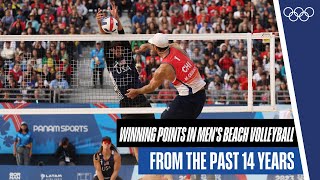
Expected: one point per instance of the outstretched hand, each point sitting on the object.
(114, 10)
(143, 48)
(132, 93)
(99, 16)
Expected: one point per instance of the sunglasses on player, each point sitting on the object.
(106, 141)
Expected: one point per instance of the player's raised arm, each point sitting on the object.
(114, 13)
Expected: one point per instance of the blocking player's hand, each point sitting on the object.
(114, 10)
(99, 16)
(132, 93)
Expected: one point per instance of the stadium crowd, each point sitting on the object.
(40, 66)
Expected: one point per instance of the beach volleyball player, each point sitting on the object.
(122, 68)
(107, 161)
(178, 68)
(121, 65)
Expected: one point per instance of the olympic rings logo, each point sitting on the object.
(298, 13)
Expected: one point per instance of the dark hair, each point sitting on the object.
(64, 141)
(113, 147)
(27, 130)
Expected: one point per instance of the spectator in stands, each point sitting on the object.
(22, 147)
(228, 84)
(235, 95)
(12, 84)
(82, 10)
(34, 22)
(283, 94)
(176, 18)
(64, 62)
(7, 55)
(59, 82)
(17, 28)
(179, 29)
(231, 72)
(196, 44)
(16, 73)
(263, 83)
(196, 56)
(19, 99)
(164, 24)
(225, 62)
(8, 19)
(152, 18)
(41, 82)
(211, 70)
(97, 63)
(188, 11)
(87, 29)
(37, 66)
(216, 80)
(142, 74)
(243, 77)
(166, 94)
(218, 92)
(175, 8)
(140, 59)
(151, 64)
(152, 28)
(139, 18)
(46, 75)
(257, 76)
(66, 153)
(48, 61)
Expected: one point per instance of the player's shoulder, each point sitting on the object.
(116, 155)
(96, 156)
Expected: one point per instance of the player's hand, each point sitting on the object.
(144, 48)
(99, 16)
(132, 93)
(114, 10)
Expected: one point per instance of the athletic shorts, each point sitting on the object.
(185, 107)
(139, 101)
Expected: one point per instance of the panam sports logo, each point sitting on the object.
(60, 128)
(51, 176)
(14, 176)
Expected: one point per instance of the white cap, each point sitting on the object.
(160, 40)
(23, 123)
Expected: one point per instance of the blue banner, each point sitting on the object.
(83, 131)
(219, 161)
(301, 36)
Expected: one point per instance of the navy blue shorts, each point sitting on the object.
(186, 107)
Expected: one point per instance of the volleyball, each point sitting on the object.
(109, 24)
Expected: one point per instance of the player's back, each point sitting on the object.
(188, 79)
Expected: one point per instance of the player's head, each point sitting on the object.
(159, 42)
(24, 127)
(117, 48)
(65, 142)
(106, 144)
